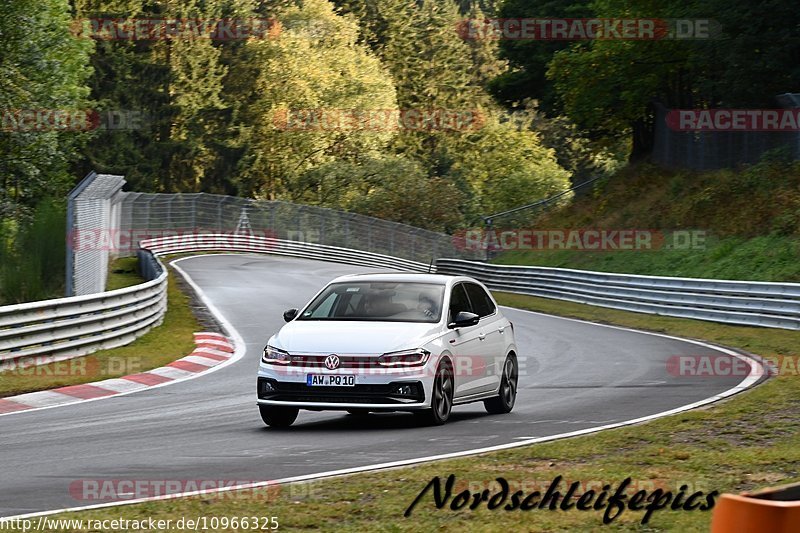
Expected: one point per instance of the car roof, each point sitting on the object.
(402, 277)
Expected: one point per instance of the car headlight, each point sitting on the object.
(275, 356)
(416, 357)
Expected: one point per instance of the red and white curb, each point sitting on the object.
(211, 350)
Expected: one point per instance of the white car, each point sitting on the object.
(390, 342)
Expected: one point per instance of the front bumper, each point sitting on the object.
(395, 395)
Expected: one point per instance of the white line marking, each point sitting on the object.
(748, 381)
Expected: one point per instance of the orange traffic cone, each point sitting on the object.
(773, 510)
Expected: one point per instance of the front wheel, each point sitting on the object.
(441, 398)
(277, 416)
(507, 395)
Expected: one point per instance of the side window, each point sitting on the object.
(481, 302)
(458, 301)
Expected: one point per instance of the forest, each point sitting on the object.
(381, 107)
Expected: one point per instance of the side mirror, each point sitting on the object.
(464, 319)
(290, 314)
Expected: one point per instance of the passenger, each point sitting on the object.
(427, 304)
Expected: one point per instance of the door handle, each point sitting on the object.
(481, 336)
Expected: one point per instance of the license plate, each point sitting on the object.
(330, 380)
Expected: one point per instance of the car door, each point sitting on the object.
(465, 345)
(491, 336)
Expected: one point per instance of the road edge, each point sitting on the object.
(753, 377)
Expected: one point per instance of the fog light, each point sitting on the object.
(268, 387)
(405, 390)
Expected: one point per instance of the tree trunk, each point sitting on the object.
(643, 138)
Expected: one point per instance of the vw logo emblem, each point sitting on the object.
(332, 362)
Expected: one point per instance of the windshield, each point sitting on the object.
(377, 302)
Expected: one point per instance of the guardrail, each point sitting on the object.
(259, 244)
(774, 305)
(54, 330)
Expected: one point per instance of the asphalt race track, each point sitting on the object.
(575, 376)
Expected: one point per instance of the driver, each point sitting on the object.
(427, 304)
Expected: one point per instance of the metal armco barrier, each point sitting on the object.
(54, 330)
(774, 305)
(258, 244)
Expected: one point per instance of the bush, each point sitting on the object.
(33, 255)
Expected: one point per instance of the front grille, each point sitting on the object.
(318, 361)
(270, 389)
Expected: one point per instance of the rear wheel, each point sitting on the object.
(277, 416)
(504, 401)
(441, 398)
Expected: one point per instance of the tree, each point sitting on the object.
(755, 57)
(182, 89)
(508, 166)
(528, 60)
(433, 68)
(196, 91)
(388, 187)
(305, 83)
(43, 68)
(437, 66)
(608, 86)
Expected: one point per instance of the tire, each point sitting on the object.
(277, 416)
(358, 412)
(441, 398)
(504, 401)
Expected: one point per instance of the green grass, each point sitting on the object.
(774, 258)
(122, 273)
(749, 441)
(170, 341)
(751, 219)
